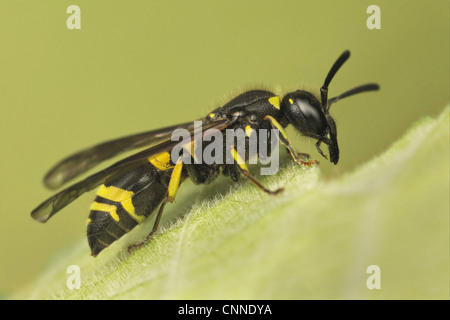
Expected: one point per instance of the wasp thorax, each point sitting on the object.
(305, 113)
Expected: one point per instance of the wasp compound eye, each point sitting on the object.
(305, 113)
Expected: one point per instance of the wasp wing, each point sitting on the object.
(80, 162)
(58, 201)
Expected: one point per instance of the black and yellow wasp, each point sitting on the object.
(132, 188)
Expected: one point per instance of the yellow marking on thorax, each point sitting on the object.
(211, 115)
(161, 161)
(248, 131)
(275, 101)
(112, 210)
(291, 101)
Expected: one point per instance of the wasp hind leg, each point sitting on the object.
(174, 183)
(242, 167)
(154, 229)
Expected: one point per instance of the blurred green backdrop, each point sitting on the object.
(137, 65)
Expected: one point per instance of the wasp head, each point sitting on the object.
(305, 112)
(311, 117)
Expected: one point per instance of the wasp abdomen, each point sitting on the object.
(124, 203)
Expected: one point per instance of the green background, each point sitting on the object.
(137, 65)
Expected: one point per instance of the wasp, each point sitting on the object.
(135, 187)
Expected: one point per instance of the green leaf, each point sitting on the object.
(315, 240)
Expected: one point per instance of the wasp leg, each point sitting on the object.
(285, 141)
(155, 228)
(240, 164)
(174, 183)
(320, 150)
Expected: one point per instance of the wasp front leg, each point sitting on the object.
(285, 141)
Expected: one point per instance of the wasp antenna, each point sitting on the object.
(336, 66)
(359, 89)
